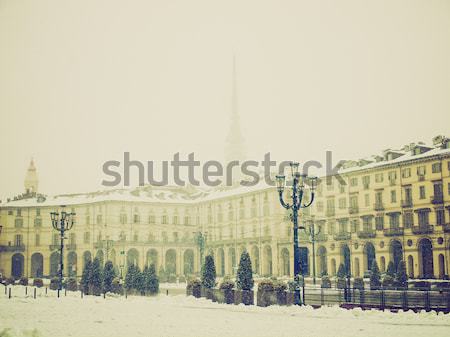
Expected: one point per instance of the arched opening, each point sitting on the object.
(382, 264)
(441, 260)
(369, 252)
(333, 267)
(17, 265)
(255, 259)
(100, 256)
(410, 266)
(286, 263)
(152, 258)
(322, 260)
(345, 255)
(396, 252)
(72, 264)
(37, 265)
(232, 267)
(356, 267)
(304, 261)
(133, 257)
(86, 257)
(171, 262)
(54, 264)
(267, 266)
(426, 258)
(188, 262)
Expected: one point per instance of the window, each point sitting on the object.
(379, 177)
(87, 237)
(394, 220)
(367, 223)
(422, 192)
(392, 175)
(406, 173)
(18, 240)
(19, 212)
(408, 194)
(440, 217)
(393, 196)
(342, 203)
(164, 219)
(421, 170)
(151, 219)
(175, 219)
(437, 188)
(423, 218)
(186, 220)
(330, 205)
(379, 222)
(366, 181)
(38, 222)
(366, 200)
(38, 212)
(37, 240)
(408, 219)
(354, 181)
(99, 219)
(123, 218)
(72, 238)
(436, 168)
(354, 201)
(379, 198)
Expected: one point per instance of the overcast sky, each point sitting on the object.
(83, 81)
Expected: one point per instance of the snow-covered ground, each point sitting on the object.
(186, 316)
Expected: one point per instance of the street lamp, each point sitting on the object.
(200, 240)
(298, 190)
(62, 223)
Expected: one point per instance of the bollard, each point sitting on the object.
(45, 290)
(34, 294)
(26, 291)
(104, 295)
(125, 293)
(9, 292)
(65, 292)
(6, 288)
(58, 293)
(81, 293)
(167, 292)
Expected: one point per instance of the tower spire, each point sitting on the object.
(31, 179)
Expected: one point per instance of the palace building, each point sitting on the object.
(391, 207)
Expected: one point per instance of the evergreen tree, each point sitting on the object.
(95, 280)
(375, 276)
(138, 282)
(390, 269)
(108, 276)
(209, 273)
(151, 280)
(401, 279)
(129, 277)
(244, 273)
(85, 277)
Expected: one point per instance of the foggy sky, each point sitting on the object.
(81, 82)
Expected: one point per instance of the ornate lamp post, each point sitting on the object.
(62, 223)
(200, 240)
(313, 233)
(298, 189)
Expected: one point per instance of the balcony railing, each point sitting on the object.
(378, 206)
(422, 229)
(437, 199)
(342, 236)
(353, 209)
(446, 228)
(18, 248)
(321, 237)
(393, 231)
(367, 234)
(407, 203)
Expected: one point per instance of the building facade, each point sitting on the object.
(386, 208)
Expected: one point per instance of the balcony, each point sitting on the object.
(395, 231)
(342, 236)
(422, 229)
(321, 237)
(353, 209)
(367, 234)
(18, 248)
(437, 199)
(378, 206)
(407, 203)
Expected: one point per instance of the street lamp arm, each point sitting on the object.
(285, 205)
(310, 202)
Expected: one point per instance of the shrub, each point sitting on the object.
(279, 286)
(71, 284)
(374, 276)
(8, 281)
(358, 283)
(23, 281)
(297, 282)
(95, 279)
(227, 285)
(388, 282)
(209, 273)
(54, 283)
(326, 283)
(84, 282)
(37, 282)
(401, 279)
(130, 277)
(116, 286)
(244, 279)
(341, 283)
(194, 287)
(265, 285)
(341, 271)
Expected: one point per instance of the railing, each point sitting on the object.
(367, 234)
(15, 248)
(393, 231)
(446, 228)
(422, 229)
(437, 199)
(342, 236)
(407, 203)
(378, 206)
